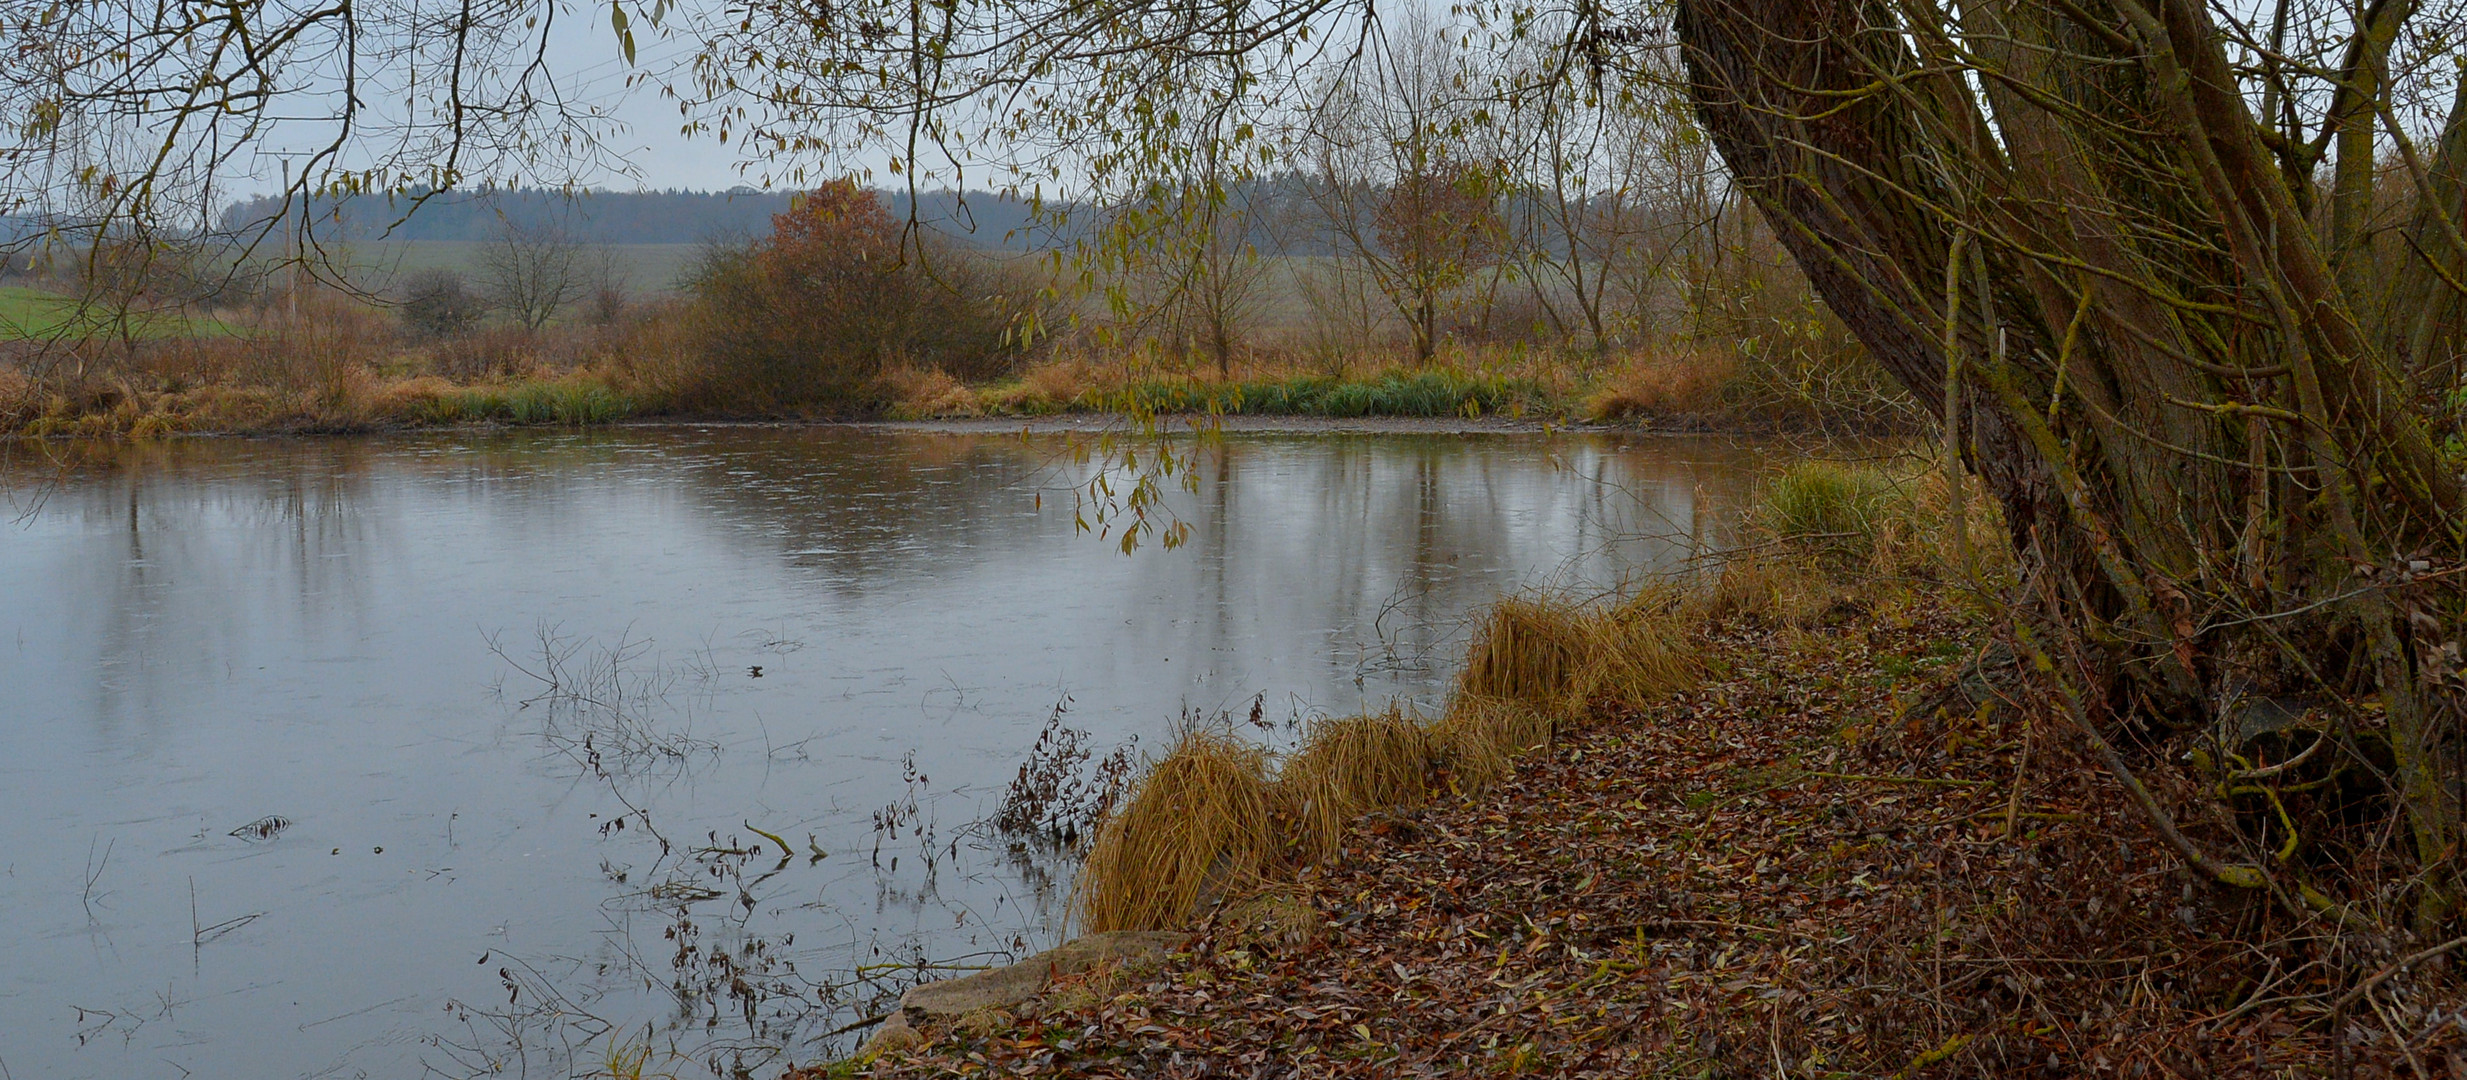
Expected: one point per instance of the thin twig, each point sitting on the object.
(2362, 988)
(844, 1029)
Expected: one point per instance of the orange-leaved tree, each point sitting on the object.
(811, 316)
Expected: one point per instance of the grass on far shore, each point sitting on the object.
(345, 366)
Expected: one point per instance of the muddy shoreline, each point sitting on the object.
(1057, 424)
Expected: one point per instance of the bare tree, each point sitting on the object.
(128, 125)
(1193, 274)
(533, 271)
(1391, 186)
(1218, 269)
(437, 304)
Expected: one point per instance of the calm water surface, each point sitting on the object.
(280, 794)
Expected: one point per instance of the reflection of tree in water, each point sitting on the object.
(1383, 545)
(195, 524)
(1379, 545)
(862, 507)
(1379, 513)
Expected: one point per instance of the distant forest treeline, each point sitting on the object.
(625, 217)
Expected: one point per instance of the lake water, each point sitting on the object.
(456, 755)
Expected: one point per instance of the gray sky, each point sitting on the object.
(584, 56)
(589, 67)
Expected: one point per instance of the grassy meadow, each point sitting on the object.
(646, 270)
(38, 314)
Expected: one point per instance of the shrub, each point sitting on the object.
(493, 353)
(1669, 385)
(840, 292)
(439, 304)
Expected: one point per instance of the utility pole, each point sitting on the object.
(291, 245)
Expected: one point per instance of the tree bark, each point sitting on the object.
(2202, 456)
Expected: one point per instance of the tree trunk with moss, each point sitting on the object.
(2183, 386)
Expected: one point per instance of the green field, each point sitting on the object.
(641, 269)
(31, 314)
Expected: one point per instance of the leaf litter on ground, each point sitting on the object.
(1819, 863)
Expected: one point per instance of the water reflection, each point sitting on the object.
(811, 628)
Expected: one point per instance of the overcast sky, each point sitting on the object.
(584, 56)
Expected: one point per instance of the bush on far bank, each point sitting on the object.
(839, 296)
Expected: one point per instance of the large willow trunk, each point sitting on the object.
(2231, 518)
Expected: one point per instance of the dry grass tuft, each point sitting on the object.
(1209, 820)
(1774, 590)
(1197, 824)
(407, 400)
(1529, 650)
(1480, 738)
(1558, 656)
(1050, 387)
(1663, 385)
(921, 394)
(1349, 767)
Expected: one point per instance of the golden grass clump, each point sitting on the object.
(1558, 656)
(1663, 385)
(1480, 738)
(407, 400)
(1210, 820)
(1772, 589)
(926, 393)
(1197, 824)
(1349, 767)
(1528, 650)
(1049, 387)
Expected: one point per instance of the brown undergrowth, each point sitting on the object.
(1848, 849)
